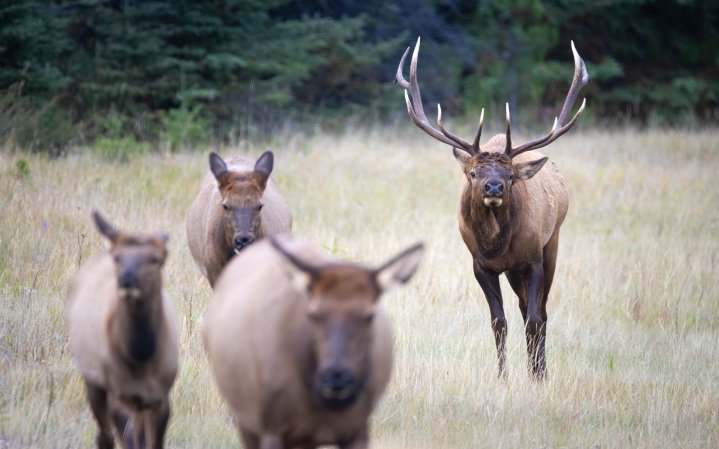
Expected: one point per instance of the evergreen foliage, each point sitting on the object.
(67, 65)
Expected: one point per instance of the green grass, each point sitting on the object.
(632, 347)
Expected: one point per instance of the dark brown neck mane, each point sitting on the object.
(135, 330)
(492, 227)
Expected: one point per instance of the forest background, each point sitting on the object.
(121, 75)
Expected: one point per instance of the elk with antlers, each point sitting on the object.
(510, 211)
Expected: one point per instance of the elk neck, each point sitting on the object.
(492, 227)
(135, 327)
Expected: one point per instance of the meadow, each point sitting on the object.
(633, 333)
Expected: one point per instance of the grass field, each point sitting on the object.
(633, 335)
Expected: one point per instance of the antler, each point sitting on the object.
(581, 78)
(416, 111)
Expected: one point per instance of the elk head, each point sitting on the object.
(491, 175)
(241, 199)
(341, 303)
(138, 263)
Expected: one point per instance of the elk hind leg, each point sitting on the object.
(548, 264)
(516, 281)
(535, 325)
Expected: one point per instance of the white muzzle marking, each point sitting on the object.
(492, 202)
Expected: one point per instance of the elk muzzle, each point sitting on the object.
(336, 383)
(242, 240)
(493, 192)
(129, 284)
(246, 221)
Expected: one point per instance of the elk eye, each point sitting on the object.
(226, 207)
(259, 207)
(473, 175)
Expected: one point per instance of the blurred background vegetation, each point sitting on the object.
(123, 74)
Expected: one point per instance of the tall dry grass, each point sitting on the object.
(633, 353)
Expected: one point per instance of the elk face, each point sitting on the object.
(491, 175)
(341, 303)
(340, 311)
(241, 199)
(138, 263)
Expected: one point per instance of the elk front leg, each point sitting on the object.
(156, 420)
(489, 282)
(536, 323)
(123, 425)
(98, 403)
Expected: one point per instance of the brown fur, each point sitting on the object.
(518, 238)
(124, 340)
(510, 209)
(299, 316)
(210, 229)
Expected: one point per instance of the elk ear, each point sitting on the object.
(264, 164)
(462, 156)
(400, 268)
(526, 170)
(217, 166)
(105, 227)
(300, 272)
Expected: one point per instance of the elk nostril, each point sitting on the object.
(243, 240)
(494, 187)
(337, 380)
(128, 280)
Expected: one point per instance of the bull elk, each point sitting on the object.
(238, 203)
(510, 211)
(300, 345)
(123, 337)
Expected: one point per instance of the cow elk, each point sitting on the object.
(238, 203)
(510, 211)
(123, 337)
(300, 345)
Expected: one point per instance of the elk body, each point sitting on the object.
(302, 351)
(123, 337)
(510, 212)
(238, 203)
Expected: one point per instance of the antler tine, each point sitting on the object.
(399, 78)
(414, 104)
(580, 79)
(475, 144)
(457, 141)
(414, 84)
(508, 139)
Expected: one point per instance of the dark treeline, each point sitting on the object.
(182, 70)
